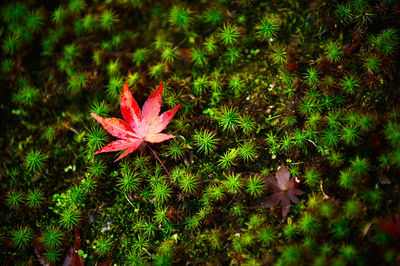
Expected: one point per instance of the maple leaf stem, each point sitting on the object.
(160, 162)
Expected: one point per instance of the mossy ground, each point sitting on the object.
(313, 85)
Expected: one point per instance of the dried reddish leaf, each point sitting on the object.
(72, 258)
(391, 226)
(139, 126)
(41, 257)
(107, 262)
(284, 191)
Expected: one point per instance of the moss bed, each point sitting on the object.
(266, 89)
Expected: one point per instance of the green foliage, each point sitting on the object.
(34, 198)
(290, 255)
(200, 85)
(346, 179)
(140, 56)
(114, 67)
(266, 236)
(180, 17)
(96, 138)
(372, 63)
(189, 183)
(345, 13)
(198, 58)
(311, 177)
(349, 84)
(108, 19)
(69, 218)
(52, 255)
(340, 229)
(14, 199)
(11, 44)
(255, 186)
(210, 46)
(386, 41)
(102, 246)
(247, 124)
(232, 55)
(333, 51)
(176, 149)
(161, 191)
(213, 16)
(311, 77)
(34, 21)
(205, 141)
(359, 166)
(267, 28)
(348, 252)
(392, 133)
(309, 224)
(97, 168)
(229, 34)
(227, 160)
(21, 236)
(76, 6)
(128, 182)
(100, 108)
(228, 118)
(290, 231)
(279, 55)
(51, 237)
(247, 151)
(169, 54)
(34, 160)
(233, 183)
(350, 135)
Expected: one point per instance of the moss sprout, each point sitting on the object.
(255, 186)
(52, 237)
(102, 246)
(229, 34)
(228, 118)
(14, 199)
(266, 236)
(189, 183)
(247, 151)
(346, 179)
(180, 17)
(69, 218)
(309, 224)
(205, 141)
(311, 177)
(34, 198)
(198, 58)
(228, 159)
(161, 191)
(267, 28)
(21, 236)
(129, 182)
(34, 160)
(140, 56)
(233, 183)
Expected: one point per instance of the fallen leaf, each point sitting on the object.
(72, 258)
(139, 126)
(284, 190)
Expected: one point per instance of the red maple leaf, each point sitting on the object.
(284, 191)
(140, 126)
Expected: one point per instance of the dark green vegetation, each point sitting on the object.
(313, 85)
